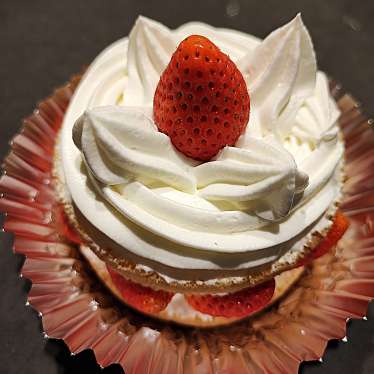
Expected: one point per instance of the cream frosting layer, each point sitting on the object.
(252, 200)
(256, 179)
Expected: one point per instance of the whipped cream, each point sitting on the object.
(257, 180)
(281, 75)
(253, 201)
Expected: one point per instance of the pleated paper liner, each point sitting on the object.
(75, 307)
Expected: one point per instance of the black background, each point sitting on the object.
(43, 42)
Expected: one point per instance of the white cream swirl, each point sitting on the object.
(317, 118)
(280, 75)
(121, 145)
(251, 199)
(150, 46)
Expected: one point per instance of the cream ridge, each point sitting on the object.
(246, 207)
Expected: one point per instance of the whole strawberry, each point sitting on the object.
(201, 101)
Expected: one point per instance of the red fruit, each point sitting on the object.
(63, 226)
(139, 297)
(201, 101)
(337, 230)
(238, 304)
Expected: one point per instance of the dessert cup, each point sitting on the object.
(188, 233)
(74, 305)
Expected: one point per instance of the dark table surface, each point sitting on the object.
(43, 42)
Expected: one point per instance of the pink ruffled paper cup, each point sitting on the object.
(75, 307)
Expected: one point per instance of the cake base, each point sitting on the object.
(179, 310)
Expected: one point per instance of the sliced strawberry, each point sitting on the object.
(63, 226)
(201, 101)
(144, 299)
(237, 304)
(337, 230)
